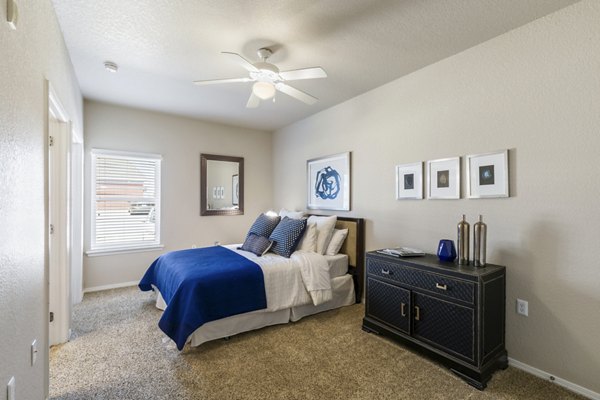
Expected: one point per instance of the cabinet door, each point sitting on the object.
(389, 304)
(445, 325)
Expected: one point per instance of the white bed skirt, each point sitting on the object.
(343, 295)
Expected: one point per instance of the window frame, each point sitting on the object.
(134, 247)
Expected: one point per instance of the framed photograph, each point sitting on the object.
(235, 189)
(443, 180)
(328, 180)
(487, 175)
(409, 181)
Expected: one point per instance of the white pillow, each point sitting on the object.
(337, 239)
(308, 242)
(325, 227)
(291, 214)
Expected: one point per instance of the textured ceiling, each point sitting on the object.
(161, 46)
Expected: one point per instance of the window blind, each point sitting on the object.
(125, 200)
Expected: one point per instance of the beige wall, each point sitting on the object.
(30, 54)
(536, 91)
(180, 141)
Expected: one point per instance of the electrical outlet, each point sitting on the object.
(10, 389)
(522, 307)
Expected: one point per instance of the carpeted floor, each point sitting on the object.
(118, 352)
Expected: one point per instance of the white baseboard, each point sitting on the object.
(107, 287)
(559, 381)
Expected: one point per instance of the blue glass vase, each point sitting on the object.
(446, 250)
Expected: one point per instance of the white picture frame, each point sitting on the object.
(409, 181)
(443, 179)
(487, 175)
(328, 182)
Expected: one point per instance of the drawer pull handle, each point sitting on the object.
(417, 313)
(441, 287)
(402, 310)
(385, 271)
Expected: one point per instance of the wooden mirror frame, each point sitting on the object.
(204, 158)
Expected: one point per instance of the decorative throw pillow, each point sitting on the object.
(325, 227)
(286, 235)
(337, 239)
(264, 225)
(256, 244)
(291, 214)
(308, 241)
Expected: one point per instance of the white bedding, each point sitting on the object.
(338, 265)
(301, 279)
(343, 295)
(296, 286)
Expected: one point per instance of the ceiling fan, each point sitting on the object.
(268, 79)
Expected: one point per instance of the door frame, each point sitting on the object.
(59, 206)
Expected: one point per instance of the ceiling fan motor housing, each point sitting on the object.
(266, 72)
(264, 53)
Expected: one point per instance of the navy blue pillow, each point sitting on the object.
(286, 236)
(255, 244)
(264, 225)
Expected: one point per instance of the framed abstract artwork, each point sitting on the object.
(443, 178)
(409, 181)
(487, 175)
(328, 180)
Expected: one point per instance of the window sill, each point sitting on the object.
(123, 250)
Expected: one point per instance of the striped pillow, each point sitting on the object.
(286, 236)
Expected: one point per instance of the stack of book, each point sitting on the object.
(402, 252)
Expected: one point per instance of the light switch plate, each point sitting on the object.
(12, 13)
(34, 352)
(10, 389)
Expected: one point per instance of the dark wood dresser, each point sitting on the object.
(453, 313)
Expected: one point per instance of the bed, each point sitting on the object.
(286, 288)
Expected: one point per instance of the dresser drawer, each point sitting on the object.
(394, 272)
(435, 283)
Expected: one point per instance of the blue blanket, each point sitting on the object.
(202, 285)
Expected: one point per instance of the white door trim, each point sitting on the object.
(59, 244)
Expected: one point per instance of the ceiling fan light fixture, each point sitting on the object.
(263, 90)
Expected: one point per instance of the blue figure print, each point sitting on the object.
(328, 184)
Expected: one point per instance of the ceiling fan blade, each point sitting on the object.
(253, 101)
(215, 81)
(241, 60)
(303, 73)
(295, 93)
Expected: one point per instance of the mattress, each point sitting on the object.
(338, 265)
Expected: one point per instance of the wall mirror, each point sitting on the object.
(221, 185)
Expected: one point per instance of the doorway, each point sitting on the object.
(65, 219)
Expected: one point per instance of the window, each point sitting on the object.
(125, 201)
